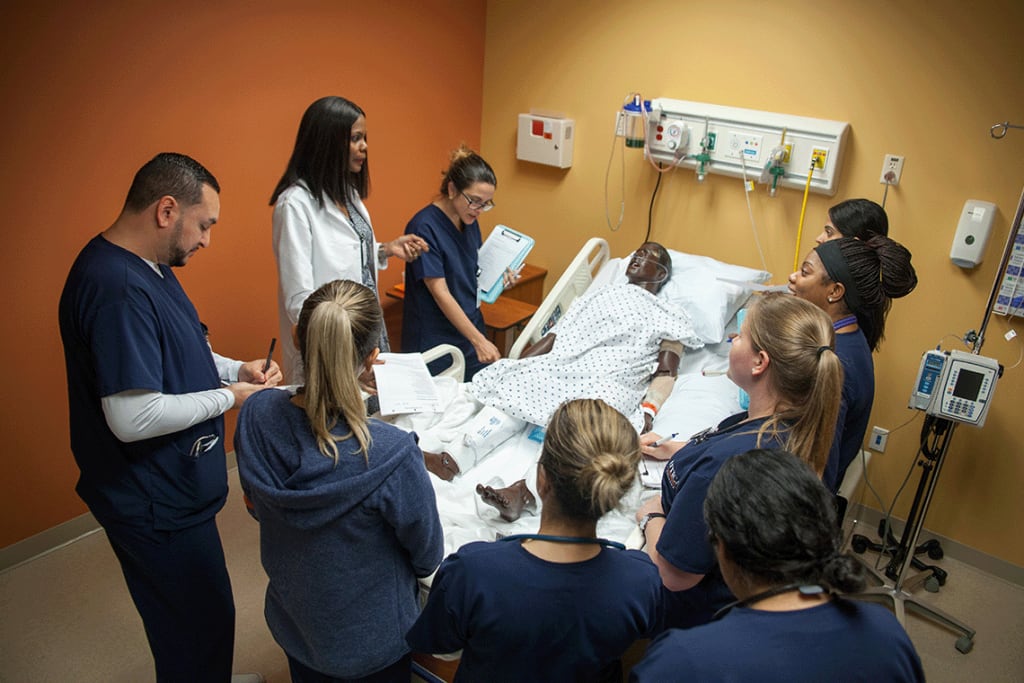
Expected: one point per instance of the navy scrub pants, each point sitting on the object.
(180, 585)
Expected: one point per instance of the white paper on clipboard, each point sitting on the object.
(504, 248)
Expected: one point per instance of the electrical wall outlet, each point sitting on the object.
(879, 435)
(893, 164)
(819, 156)
(787, 152)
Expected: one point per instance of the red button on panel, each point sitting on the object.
(537, 127)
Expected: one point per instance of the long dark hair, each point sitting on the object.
(776, 522)
(880, 271)
(860, 218)
(321, 155)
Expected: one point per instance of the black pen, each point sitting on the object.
(270, 354)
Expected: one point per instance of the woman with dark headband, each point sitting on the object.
(854, 281)
(773, 529)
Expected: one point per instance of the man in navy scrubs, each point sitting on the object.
(146, 396)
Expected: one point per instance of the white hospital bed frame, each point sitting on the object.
(573, 282)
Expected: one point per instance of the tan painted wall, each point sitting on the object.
(91, 91)
(921, 79)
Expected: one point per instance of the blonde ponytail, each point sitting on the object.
(338, 329)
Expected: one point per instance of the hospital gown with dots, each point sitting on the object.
(606, 347)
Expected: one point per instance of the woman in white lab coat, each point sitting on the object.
(321, 229)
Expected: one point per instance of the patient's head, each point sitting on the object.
(589, 460)
(650, 267)
(775, 523)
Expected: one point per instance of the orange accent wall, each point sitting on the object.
(921, 79)
(91, 91)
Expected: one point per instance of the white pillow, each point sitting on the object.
(696, 286)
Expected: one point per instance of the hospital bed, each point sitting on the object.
(706, 289)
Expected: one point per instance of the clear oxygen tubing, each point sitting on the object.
(622, 177)
(747, 189)
(803, 213)
(662, 270)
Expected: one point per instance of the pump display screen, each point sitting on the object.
(968, 384)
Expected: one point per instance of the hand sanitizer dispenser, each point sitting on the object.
(972, 233)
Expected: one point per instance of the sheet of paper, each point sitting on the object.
(404, 385)
(498, 253)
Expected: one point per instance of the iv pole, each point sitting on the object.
(899, 593)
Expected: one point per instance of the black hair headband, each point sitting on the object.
(835, 265)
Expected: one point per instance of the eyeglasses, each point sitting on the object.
(476, 204)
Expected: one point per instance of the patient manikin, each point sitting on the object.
(621, 344)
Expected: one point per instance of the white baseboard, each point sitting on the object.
(58, 536)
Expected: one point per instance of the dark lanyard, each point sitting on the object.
(564, 539)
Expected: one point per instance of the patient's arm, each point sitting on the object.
(662, 381)
(544, 345)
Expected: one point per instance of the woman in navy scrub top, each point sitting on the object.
(441, 304)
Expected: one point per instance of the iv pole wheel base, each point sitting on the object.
(965, 644)
(859, 543)
(931, 584)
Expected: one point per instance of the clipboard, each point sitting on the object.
(504, 248)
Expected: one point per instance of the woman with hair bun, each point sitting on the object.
(559, 605)
(441, 287)
(854, 281)
(773, 528)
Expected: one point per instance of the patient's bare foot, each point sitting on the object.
(441, 464)
(510, 501)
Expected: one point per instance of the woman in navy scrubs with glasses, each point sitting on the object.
(441, 304)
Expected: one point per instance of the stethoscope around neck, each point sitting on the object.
(803, 588)
(580, 540)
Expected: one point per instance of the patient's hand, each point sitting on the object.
(441, 464)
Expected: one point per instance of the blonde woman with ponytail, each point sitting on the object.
(784, 358)
(347, 515)
(559, 605)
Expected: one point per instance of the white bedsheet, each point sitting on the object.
(697, 402)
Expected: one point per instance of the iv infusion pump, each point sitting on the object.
(955, 385)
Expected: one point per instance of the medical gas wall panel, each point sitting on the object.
(737, 142)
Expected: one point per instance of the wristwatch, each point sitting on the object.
(646, 519)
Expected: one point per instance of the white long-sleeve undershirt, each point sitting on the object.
(137, 414)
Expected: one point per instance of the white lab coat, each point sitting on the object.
(313, 245)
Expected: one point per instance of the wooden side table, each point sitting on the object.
(507, 316)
